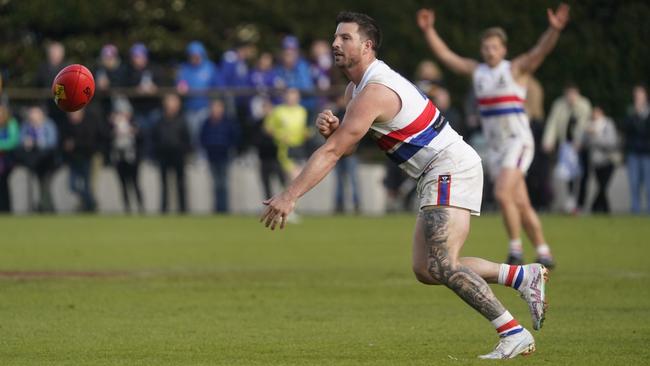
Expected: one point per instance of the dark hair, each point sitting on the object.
(367, 26)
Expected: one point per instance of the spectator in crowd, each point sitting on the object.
(287, 123)
(80, 135)
(264, 78)
(321, 69)
(428, 77)
(219, 137)
(111, 72)
(38, 152)
(9, 140)
(171, 145)
(145, 79)
(234, 65)
(264, 75)
(346, 169)
(237, 74)
(400, 189)
(126, 151)
(601, 141)
(55, 62)
(321, 64)
(569, 116)
(442, 100)
(267, 150)
(293, 71)
(198, 75)
(537, 181)
(636, 131)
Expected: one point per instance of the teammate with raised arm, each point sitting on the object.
(414, 134)
(500, 88)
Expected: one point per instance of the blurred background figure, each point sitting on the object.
(171, 142)
(126, 152)
(264, 76)
(293, 71)
(636, 132)
(569, 116)
(38, 152)
(47, 71)
(287, 123)
(198, 75)
(321, 70)
(9, 140)
(267, 150)
(428, 77)
(400, 189)
(237, 75)
(537, 179)
(80, 136)
(144, 79)
(110, 72)
(442, 100)
(219, 138)
(600, 139)
(346, 170)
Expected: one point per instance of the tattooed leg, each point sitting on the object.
(489, 271)
(445, 231)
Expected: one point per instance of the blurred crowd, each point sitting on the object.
(262, 103)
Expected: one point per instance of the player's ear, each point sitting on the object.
(367, 45)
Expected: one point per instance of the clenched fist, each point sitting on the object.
(327, 123)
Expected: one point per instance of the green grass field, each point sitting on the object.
(330, 291)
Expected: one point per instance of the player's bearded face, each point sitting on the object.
(347, 45)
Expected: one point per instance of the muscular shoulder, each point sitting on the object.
(382, 98)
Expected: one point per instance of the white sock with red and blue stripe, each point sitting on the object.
(506, 325)
(511, 276)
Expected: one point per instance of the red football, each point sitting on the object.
(73, 88)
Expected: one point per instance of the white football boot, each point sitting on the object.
(532, 291)
(511, 346)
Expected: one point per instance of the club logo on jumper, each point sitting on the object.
(502, 82)
(59, 93)
(444, 189)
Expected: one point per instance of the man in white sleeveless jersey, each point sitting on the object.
(500, 89)
(413, 134)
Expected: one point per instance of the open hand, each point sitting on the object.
(277, 210)
(425, 18)
(560, 18)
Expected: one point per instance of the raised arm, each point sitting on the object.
(531, 60)
(458, 64)
(362, 111)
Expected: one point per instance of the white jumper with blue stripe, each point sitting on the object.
(418, 133)
(501, 104)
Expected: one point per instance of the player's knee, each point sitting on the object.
(501, 195)
(423, 276)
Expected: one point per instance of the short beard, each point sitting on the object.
(352, 62)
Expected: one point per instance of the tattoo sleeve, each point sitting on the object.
(460, 279)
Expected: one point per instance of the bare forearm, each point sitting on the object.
(442, 51)
(544, 46)
(317, 168)
(548, 40)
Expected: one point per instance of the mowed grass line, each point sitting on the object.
(330, 291)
